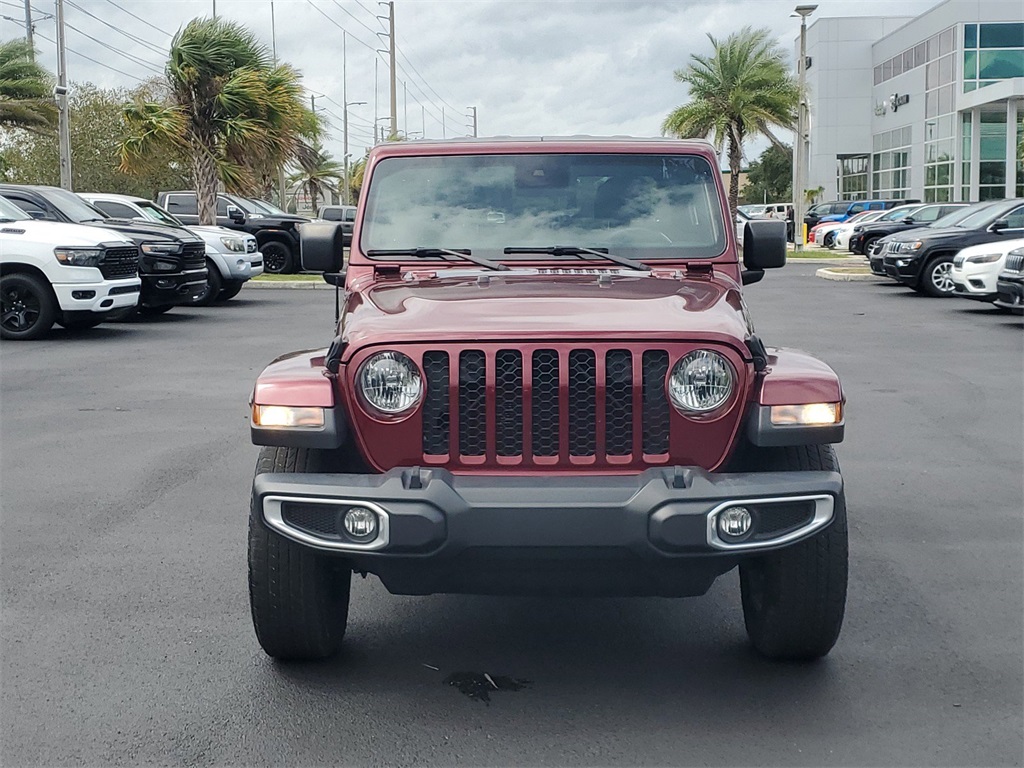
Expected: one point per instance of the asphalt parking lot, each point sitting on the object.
(126, 637)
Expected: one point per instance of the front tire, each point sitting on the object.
(28, 308)
(299, 597)
(277, 258)
(80, 321)
(937, 277)
(147, 311)
(229, 291)
(794, 599)
(211, 290)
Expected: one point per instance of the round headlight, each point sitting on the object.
(701, 381)
(391, 382)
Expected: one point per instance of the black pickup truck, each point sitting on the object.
(276, 234)
(172, 260)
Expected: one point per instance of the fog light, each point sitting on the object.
(734, 522)
(360, 523)
(83, 294)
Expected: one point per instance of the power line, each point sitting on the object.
(358, 40)
(357, 21)
(133, 38)
(128, 56)
(94, 61)
(139, 18)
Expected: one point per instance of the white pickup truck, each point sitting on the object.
(69, 274)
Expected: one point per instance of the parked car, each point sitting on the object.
(876, 250)
(276, 234)
(1010, 285)
(741, 223)
(976, 269)
(921, 216)
(53, 272)
(923, 258)
(346, 214)
(752, 211)
(823, 233)
(841, 231)
(172, 262)
(505, 412)
(231, 256)
(840, 210)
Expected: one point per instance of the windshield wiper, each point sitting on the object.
(86, 221)
(424, 253)
(578, 250)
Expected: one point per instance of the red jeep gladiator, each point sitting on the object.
(545, 382)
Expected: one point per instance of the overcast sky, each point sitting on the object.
(531, 67)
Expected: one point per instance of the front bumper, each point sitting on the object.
(162, 289)
(902, 267)
(654, 533)
(977, 285)
(104, 296)
(1010, 294)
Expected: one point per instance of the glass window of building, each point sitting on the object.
(890, 164)
(852, 178)
(992, 52)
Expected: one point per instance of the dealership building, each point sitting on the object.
(928, 107)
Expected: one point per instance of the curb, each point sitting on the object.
(845, 277)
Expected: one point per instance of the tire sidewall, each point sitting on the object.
(212, 289)
(47, 306)
(928, 276)
(277, 258)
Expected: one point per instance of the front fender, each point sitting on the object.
(299, 380)
(793, 377)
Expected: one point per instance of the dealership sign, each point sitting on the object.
(894, 102)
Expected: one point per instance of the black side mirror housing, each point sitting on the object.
(999, 225)
(236, 215)
(321, 245)
(764, 244)
(908, 220)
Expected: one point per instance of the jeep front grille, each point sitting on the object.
(119, 262)
(1014, 262)
(591, 405)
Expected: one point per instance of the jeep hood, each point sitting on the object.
(509, 306)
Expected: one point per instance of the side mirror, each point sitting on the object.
(764, 247)
(235, 214)
(321, 244)
(40, 215)
(999, 224)
(908, 220)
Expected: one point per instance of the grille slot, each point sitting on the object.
(119, 262)
(472, 403)
(1015, 262)
(618, 402)
(508, 395)
(777, 519)
(656, 414)
(545, 426)
(582, 403)
(318, 519)
(436, 420)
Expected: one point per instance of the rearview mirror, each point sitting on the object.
(235, 214)
(321, 245)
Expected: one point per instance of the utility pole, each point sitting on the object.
(344, 110)
(444, 134)
(282, 186)
(215, 9)
(61, 93)
(29, 30)
(405, 107)
(473, 115)
(394, 80)
(800, 148)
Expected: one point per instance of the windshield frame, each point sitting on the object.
(266, 208)
(692, 175)
(163, 216)
(984, 214)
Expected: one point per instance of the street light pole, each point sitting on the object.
(29, 30)
(800, 146)
(61, 92)
(344, 120)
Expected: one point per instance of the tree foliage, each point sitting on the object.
(230, 112)
(26, 98)
(97, 129)
(744, 88)
(770, 177)
(318, 175)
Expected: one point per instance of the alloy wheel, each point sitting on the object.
(942, 277)
(20, 309)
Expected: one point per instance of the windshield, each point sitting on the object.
(10, 212)
(953, 218)
(72, 206)
(977, 215)
(644, 206)
(264, 207)
(156, 213)
(901, 212)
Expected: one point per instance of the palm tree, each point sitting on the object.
(231, 112)
(743, 89)
(318, 175)
(26, 99)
